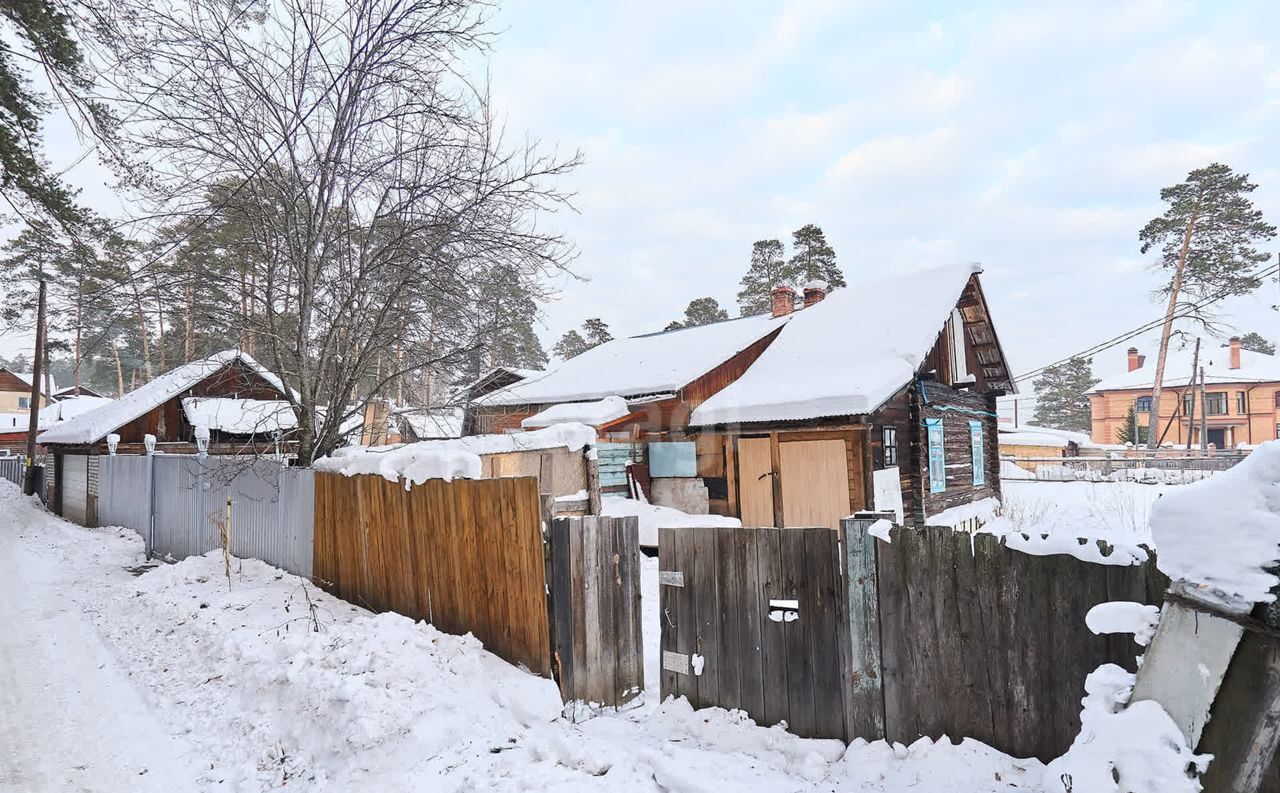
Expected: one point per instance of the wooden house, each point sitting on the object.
(230, 393)
(881, 394)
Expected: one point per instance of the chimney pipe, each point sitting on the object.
(784, 300)
(1135, 360)
(814, 291)
(1234, 343)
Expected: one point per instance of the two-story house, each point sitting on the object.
(1241, 398)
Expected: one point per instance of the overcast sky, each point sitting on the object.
(1030, 138)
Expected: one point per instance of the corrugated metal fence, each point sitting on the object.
(179, 504)
(11, 468)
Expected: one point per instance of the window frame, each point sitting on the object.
(24, 403)
(889, 445)
(1142, 404)
(1213, 399)
(1242, 403)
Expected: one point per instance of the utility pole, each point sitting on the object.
(1191, 414)
(1204, 418)
(33, 425)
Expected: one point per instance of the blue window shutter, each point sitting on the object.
(979, 457)
(673, 458)
(937, 456)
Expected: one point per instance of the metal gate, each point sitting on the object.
(75, 488)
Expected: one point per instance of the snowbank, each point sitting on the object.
(653, 517)
(983, 509)
(611, 408)
(1134, 749)
(1221, 534)
(450, 459)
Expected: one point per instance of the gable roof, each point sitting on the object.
(93, 426)
(27, 377)
(639, 365)
(845, 355)
(1255, 367)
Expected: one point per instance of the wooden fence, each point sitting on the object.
(959, 635)
(465, 555)
(595, 609)
(755, 619)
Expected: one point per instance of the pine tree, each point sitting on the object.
(812, 259)
(597, 332)
(1062, 393)
(700, 311)
(768, 269)
(1125, 432)
(1256, 342)
(1206, 239)
(571, 344)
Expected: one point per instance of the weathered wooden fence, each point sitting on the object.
(595, 608)
(755, 619)
(465, 555)
(957, 634)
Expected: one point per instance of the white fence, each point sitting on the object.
(183, 505)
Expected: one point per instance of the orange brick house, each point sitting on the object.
(1241, 399)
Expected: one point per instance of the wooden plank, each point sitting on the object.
(895, 659)
(562, 606)
(669, 601)
(707, 604)
(601, 648)
(583, 585)
(755, 607)
(1023, 614)
(1244, 743)
(975, 703)
(863, 676)
(730, 561)
(629, 642)
(773, 637)
(823, 634)
(798, 572)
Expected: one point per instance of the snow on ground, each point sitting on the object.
(653, 517)
(1114, 511)
(183, 678)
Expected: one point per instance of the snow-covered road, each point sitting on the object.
(71, 719)
(189, 679)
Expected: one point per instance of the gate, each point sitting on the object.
(754, 618)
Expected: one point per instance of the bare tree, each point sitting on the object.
(368, 182)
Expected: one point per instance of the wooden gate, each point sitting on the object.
(815, 482)
(755, 481)
(466, 555)
(755, 619)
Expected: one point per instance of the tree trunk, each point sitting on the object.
(115, 351)
(1153, 421)
(189, 338)
(1191, 414)
(79, 316)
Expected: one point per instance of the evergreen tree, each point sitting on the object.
(700, 311)
(1207, 240)
(1256, 342)
(1126, 432)
(597, 332)
(768, 269)
(812, 259)
(571, 344)
(1062, 395)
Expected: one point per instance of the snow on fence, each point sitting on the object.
(958, 634)
(595, 608)
(182, 505)
(12, 468)
(1145, 469)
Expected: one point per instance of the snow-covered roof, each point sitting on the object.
(68, 408)
(1255, 367)
(845, 355)
(27, 377)
(240, 416)
(1028, 435)
(639, 365)
(428, 423)
(93, 426)
(602, 411)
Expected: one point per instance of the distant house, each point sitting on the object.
(15, 393)
(492, 419)
(72, 391)
(1033, 446)
(235, 397)
(881, 393)
(1241, 402)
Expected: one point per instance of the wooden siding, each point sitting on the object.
(955, 408)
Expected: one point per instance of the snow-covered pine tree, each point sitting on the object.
(1063, 395)
(1256, 342)
(571, 344)
(768, 269)
(812, 259)
(597, 332)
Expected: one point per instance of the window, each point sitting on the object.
(937, 457)
(24, 403)
(1142, 405)
(957, 349)
(1189, 403)
(889, 439)
(1242, 404)
(1215, 403)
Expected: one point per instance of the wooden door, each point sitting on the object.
(755, 481)
(815, 483)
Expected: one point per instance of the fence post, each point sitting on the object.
(864, 679)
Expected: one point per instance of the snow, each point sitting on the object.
(1124, 616)
(92, 426)
(1255, 367)
(187, 678)
(459, 458)
(1028, 435)
(1133, 749)
(68, 408)
(881, 529)
(27, 377)
(845, 355)
(1219, 535)
(640, 365)
(886, 485)
(433, 423)
(602, 411)
(240, 416)
(983, 510)
(653, 517)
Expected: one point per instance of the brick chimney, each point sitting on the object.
(814, 291)
(1234, 344)
(1135, 360)
(784, 300)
